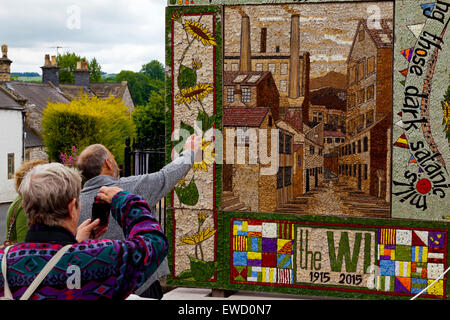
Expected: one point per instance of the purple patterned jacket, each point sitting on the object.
(108, 269)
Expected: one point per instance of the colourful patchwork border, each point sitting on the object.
(392, 258)
(403, 286)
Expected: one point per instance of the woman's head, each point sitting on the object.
(47, 190)
(24, 169)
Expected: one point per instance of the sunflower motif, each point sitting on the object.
(208, 157)
(201, 218)
(195, 93)
(200, 32)
(176, 16)
(196, 64)
(196, 238)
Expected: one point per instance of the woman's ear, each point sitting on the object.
(72, 207)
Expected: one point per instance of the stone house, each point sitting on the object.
(35, 96)
(251, 105)
(308, 156)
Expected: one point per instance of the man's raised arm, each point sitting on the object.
(156, 185)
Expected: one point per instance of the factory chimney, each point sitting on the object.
(294, 65)
(305, 106)
(246, 51)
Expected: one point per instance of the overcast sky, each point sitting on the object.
(121, 34)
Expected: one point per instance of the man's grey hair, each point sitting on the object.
(47, 191)
(91, 160)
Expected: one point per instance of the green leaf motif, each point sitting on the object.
(187, 77)
(186, 275)
(202, 270)
(206, 121)
(178, 144)
(188, 195)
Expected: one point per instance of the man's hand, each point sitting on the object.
(193, 143)
(90, 230)
(107, 193)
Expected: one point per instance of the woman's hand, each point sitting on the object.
(90, 230)
(107, 193)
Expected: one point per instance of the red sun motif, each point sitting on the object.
(423, 186)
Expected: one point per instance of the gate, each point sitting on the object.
(146, 155)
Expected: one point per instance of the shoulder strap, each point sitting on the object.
(7, 293)
(44, 272)
(12, 220)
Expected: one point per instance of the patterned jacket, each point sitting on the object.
(108, 269)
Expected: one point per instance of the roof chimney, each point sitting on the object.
(50, 71)
(246, 51)
(294, 65)
(5, 65)
(263, 41)
(82, 74)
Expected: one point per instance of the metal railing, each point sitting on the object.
(143, 156)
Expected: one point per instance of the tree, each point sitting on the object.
(84, 121)
(150, 126)
(154, 70)
(149, 118)
(96, 71)
(68, 63)
(138, 83)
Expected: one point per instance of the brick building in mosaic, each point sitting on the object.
(364, 160)
(251, 102)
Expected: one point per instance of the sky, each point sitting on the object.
(120, 34)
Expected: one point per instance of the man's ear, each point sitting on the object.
(108, 164)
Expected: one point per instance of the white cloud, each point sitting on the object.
(313, 19)
(121, 34)
(335, 39)
(328, 57)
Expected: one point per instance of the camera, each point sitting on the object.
(100, 210)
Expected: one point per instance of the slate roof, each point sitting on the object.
(333, 134)
(294, 118)
(31, 138)
(244, 116)
(36, 93)
(104, 90)
(7, 102)
(101, 90)
(244, 78)
(71, 91)
(384, 37)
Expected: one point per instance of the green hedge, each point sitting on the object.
(86, 120)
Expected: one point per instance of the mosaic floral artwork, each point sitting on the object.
(262, 252)
(193, 78)
(381, 260)
(325, 146)
(410, 260)
(421, 146)
(330, 97)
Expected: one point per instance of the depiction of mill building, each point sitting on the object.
(364, 158)
(267, 88)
